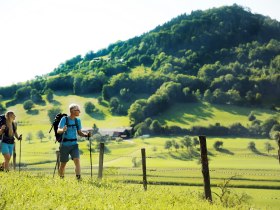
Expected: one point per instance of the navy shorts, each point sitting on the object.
(65, 151)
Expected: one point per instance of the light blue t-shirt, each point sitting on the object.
(72, 129)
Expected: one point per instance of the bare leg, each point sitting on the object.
(61, 169)
(77, 166)
(7, 158)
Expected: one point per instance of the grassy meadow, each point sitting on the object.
(257, 175)
(41, 192)
(177, 171)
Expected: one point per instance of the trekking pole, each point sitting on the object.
(56, 164)
(19, 154)
(278, 146)
(90, 156)
(58, 156)
(14, 157)
(51, 128)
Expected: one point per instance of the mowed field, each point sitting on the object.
(256, 174)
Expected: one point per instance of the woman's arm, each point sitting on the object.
(19, 137)
(2, 129)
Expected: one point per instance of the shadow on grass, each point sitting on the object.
(64, 93)
(33, 112)
(195, 112)
(42, 103)
(40, 162)
(185, 155)
(99, 115)
(55, 103)
(232, 109)
(226, 151)
(257, 152)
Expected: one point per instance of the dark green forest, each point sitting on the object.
(223, 55)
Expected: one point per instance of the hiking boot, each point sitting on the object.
(78, 177)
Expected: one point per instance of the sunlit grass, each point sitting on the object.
(30, 191)
(203, 114)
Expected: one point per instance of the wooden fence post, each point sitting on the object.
(205, 168)
(278, 147)
(101, 158)
(143, 153)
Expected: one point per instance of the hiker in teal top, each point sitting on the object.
(70, 126)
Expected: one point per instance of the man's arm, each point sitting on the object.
(62, 130)
(83, 134)
(62, 126)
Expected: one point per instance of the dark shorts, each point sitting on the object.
(65, 151)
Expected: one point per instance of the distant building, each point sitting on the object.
(124, 133)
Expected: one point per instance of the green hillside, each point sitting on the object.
(227, 57)
(37, 118)
(214, 72)
(181, 114)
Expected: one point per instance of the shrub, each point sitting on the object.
(251, 116)
(53, 112)
(217, 145)
(252, 146)
(28, 105)
(2, 108)
(89, 107)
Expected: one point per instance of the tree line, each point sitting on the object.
(224, 55)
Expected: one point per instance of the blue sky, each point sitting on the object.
(37, 35)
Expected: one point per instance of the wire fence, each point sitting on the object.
(130, 169)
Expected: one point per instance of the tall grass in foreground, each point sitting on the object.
(37, 191)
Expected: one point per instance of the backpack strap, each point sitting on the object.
(76, 123)
(77, 126)
(66, 121)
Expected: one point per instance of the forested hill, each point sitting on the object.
(225, 34)
(224, 55)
